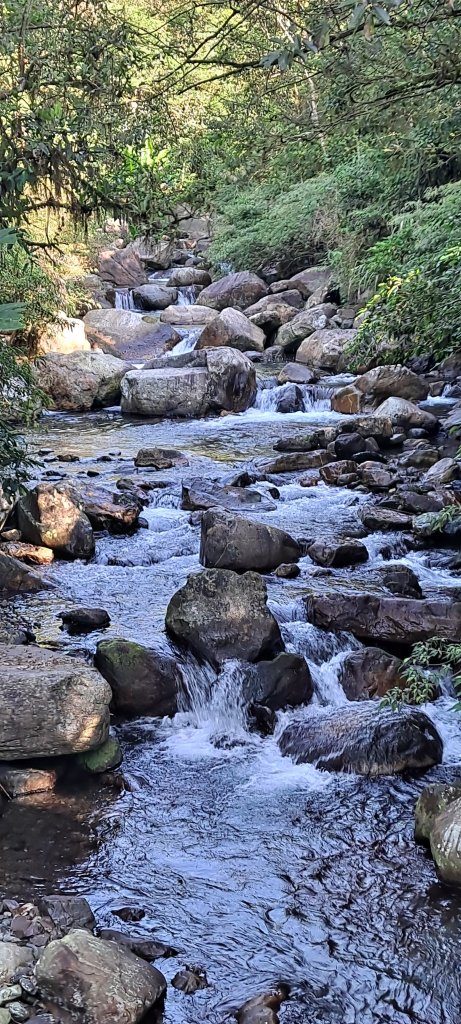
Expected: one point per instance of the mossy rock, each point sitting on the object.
(432, 802)
(103, 759)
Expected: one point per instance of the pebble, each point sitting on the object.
(19, 1012)
(5, 1016)
(8, 993)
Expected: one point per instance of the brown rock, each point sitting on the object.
(238, 290)
(347, 401)
(28, 553)
(121, 267)
(337, 554)
(232, 329)
(15, 578)
(386, 619)
(370, 673)
(143, 680)
(51, 516)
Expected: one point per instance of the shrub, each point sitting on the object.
(23, 279)
(429, 664)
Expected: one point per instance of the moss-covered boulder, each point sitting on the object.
(144, 680)
(103, 759)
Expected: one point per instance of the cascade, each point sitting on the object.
(315, 397)
(124, 299)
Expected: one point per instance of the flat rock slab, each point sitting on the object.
(386, 619)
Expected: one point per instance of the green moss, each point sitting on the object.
(103, 759)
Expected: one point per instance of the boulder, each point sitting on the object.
(18, 780)
(386, 619)
(263, 1009)
(240, 290)
(115, 511)
(105, 758)
(184, 277)
(364, 739)
(284, 682)
(404, 414)
(440, 473)
(200, 495)
(375, 476)
(96, 981)
(143, 680)
(232, 542)
(81, 381)
(28, 553)
(392, 382)
(160, 458)
(348, 401)
(219, 615)
(445, 841)
(232, 329)
(188, 316)
(154, 296)
(12, 958)
(337, 554)
(291, 298)
(85, 620)
(338, 472)
(52, 516)
(128, 335)
(68, 335)
(378, 518)
(312, 280)
(347, 446)
(433, 801)
(200, 384)
(325, 350)
(121, 268)
(370, 673)
(292, 333)
(66, 912)
(401, 580)
(52, 704)
(16, 578)
(294, 462)
(294, 373)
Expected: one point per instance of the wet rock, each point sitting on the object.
(23, 780)
(337, 554)
(16, 578)
(232, 329)
(239, 290)
(19, 1013)
(445, 842)
(121, 267)
(334, 472)
(105, 758)
(272, 315)
(404, 414)
(401, 580)
(348, 401)
(292, 297)
(412, 502)
(37, 688)
(370, 673)
(224, 380)
(9, 993)
(263, 1009)
(147, 949)
(127, 335)
(294, 373)
(81, 381)
(364, 739)
(299, 327)
(288, 571)
(311, 280)
(114, 511)
(153, 296)
(84, 620)
(221, 615)
(160, 458)
(97, 980)
(199, 495)
(325, 350)
(52, 516)
(185, 277)
(442, 472)
(188, 316)
(386, 619)
(288, 398)
(232, 542)
(12, 957)
(278, 684)
(191, 980)
(375, 517)
(294, 462)
(28, 553)
(375, 476)
(144, 681)
(420, 458)
(347, 446)
(392, 382)
(432, 802)
(67, 912)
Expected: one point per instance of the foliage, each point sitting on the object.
(23, 279)
(429, 664)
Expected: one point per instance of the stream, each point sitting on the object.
(253, 868)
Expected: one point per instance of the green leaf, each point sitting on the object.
(357, 16)
(382, 15)
(11, 316)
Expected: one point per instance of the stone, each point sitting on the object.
(325, 350)
(333, 472)
(189, 981)
(188, 316)
(12, 957)
(445, 842)
(385, 619)
(291, 298)
(347, 446)
(263, 1009)
(51, 516)
(288, 571)
(16, 578)
(184, 277)
(375, 476)
(101, 981)
(67, 912)
(405, 414)
(401, 580)
(364, 739)
(421, 457)
(147, 949)
(378, 518)
(52, 704)
(28, 553)
(105, 758)
(433, 801)
(208, 381)
(85, 620)
(311, 280)
(392, 382)
(24, 781)
(154, 296)
(278, 684)
(370, 673)
(128, 335)
(348, 401)
(80, 381)
(291, 334)
(19, 1013)
(232, 329)
(239, 290)
(68, 335)
(294, 462)
(337, 554)
(143, 680)
(160, 458)
(114, 511)
(121, 267)
(220, 615)
(441, 472)
(229, 541)
(294, 373)
(198, 496)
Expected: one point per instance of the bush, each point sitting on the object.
(428, 666)
(23, 279)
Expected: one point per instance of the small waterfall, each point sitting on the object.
(124, 299)
(186, 296)
(293, 398)
(215, 703)
(324, 653)
(188, 342)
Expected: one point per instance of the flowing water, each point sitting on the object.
(253, 868)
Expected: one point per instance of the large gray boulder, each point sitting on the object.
(405, 414)
(143, 680)
(220, 615)
(433, 801)
(229, 541)
(197, 385)
(364, 739)
(51, 704)
(325, 350)
(290, 336)
(232, 329)
(121, 267)
(52, 516)
(81, 381)
(128, 335)
(239, 290)
(311, 281)
(386, 619)
(392, 382)
(98, 982)
(184, 277)
(154, 296)
(188, 316)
